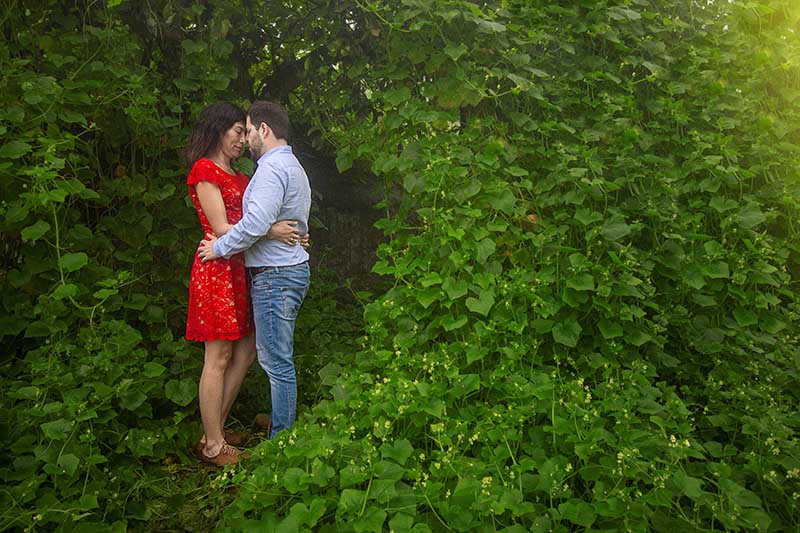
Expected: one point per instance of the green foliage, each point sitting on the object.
(97, 382)
(83, 420)
(591, 212)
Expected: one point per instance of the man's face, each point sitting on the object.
(254, 141)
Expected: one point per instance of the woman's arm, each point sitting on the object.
(286, 232)
(213, 206)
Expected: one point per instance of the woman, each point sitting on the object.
(219, 309)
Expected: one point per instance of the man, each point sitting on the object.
(279, 272)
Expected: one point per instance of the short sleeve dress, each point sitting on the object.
(219, 306)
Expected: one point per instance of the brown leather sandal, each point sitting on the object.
(232, 437)
(227, 455)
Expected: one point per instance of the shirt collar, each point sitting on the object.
(282, 148)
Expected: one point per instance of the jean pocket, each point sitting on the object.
(262, 280)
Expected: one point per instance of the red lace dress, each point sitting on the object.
(219, 307)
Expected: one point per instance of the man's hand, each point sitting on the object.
(206, 248)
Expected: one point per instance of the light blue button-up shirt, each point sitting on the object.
(278, 190)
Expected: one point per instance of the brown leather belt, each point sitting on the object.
(252, 271)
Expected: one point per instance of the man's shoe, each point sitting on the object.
(227, 455)
(264, 421)
(233, 437)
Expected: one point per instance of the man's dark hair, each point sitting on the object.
(273, 114)
(211, 125)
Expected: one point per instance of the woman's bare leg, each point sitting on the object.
(211, 393)
(244, 355)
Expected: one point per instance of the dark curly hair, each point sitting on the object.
(212, 124)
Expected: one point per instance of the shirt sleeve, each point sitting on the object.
(263, 203)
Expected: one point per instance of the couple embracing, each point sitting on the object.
(250, 275)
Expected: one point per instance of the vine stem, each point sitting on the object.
(439, 518)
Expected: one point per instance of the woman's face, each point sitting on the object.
(232, 142)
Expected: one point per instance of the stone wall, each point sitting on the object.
(343, 235)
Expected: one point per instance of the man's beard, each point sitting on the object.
(256, 151)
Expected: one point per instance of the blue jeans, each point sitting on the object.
(277, 294)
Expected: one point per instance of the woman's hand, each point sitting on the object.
(286, 232)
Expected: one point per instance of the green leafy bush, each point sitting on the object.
(592, 247)
(591, 212)
(97, 381)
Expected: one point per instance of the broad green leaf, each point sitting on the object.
(716, 270)
(615, 229)
(38, 328)
(401, 522)
(520, 81)
(567, 332)
(467, 191)
(637, 337)
(750, 216)
(690, 486)
(504, 201)
(344, 161)
(482, 304)
(581, 282)
(295, 479)
(152, 370)
(36, 231)
(488, 26)
(67, 290)
(772, 324)
(517, 172)
(497, 225)
(88, 501)
(141, 441)
(721, 204)
(486, 248)
(587, 216)
(609, 329)
(132, 399)
(371, 521)
(72, 117)
(449, 323)
(578, 512)
(455, 51)
(137, 301)
(182, 392)
(620, 13)
(427, 296)
(73, 261)
(14, 149)
(400, 450)
(745, 317)
(350, 500)
(414, 183)
(431, 278)
(398, 96)
(352, 474)
(759, 519)
(103, 294)
(69, 463)
(454, 288)
(704, 300)
(476, 353)
(57, 429)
